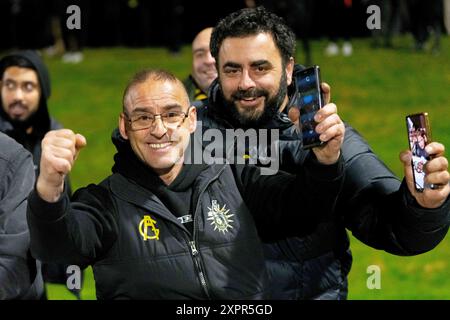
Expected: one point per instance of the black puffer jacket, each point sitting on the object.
(196, 95)
(374, 205)
(127, 228)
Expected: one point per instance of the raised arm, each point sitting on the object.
(62, 231)
(381, 211)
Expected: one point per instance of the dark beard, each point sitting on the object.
(39, 120)
(271, 105)
(22, 125)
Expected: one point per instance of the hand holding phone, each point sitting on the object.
(432, 189)
(320, 125)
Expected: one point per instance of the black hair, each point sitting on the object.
(15, 61)
(252, 21)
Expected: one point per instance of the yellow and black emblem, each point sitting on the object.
(148, 222)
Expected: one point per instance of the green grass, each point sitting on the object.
(374, 89)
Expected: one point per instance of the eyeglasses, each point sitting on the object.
(171, 119)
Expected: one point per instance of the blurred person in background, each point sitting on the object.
(24, 116)
(300, 16)
(203, 68)
(339, 16)
(73, 39)
(426, 18)
(390, 19)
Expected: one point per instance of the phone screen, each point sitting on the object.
(309, 102)
(419, 136)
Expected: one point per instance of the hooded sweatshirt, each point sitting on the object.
(40, 120)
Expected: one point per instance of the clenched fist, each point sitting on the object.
(60, 149)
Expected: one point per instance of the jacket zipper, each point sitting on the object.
(199, 268)
(192, 243)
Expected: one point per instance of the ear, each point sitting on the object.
(192, 115)
(123, 126)
(290, 70)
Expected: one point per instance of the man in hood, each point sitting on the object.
(25, 89)
(24, 116)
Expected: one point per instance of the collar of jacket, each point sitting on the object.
(131, 192)
(279, 121)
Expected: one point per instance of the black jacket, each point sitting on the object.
(20, 276)
(196, 95)
(374, 205)
(127, 227)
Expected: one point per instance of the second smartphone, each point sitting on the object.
(309, 101)
(419, 135)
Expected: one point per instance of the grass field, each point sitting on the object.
(374, 89)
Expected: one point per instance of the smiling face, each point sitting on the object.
(20, 93)
(252, 76)
(203, 64)
(160, 147)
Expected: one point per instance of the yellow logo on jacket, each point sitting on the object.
(146, 223)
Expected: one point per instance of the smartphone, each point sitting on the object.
(309, 101)
(419, 135)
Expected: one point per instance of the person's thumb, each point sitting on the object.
(80, 143)
(405, 157)
(326, 92)
(294, 114)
